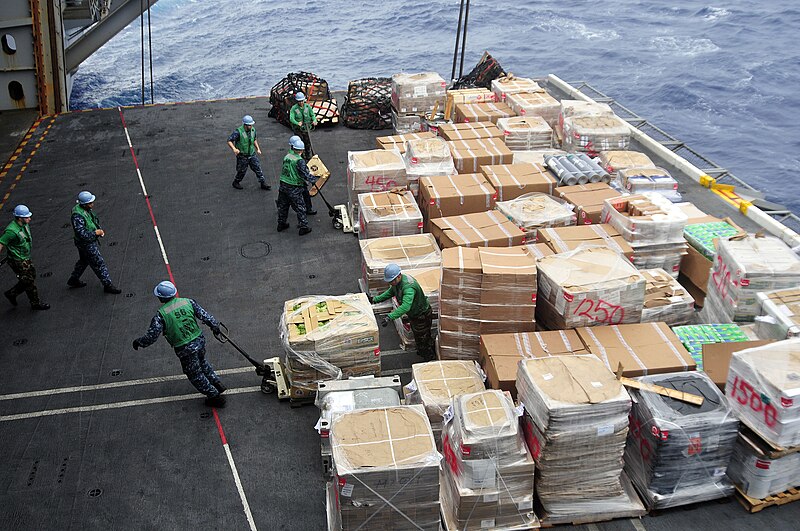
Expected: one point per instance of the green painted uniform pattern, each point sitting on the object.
(180, 325)
(16, 239)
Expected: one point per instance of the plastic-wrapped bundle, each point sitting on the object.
(594, 134)
(588, 287)
(471, 95)
(539, 104)
(368, 104)
(392, 213)
(637, 180)
(572, 108)
(677, 452)
(565, 239)
(763, 388)
(615, 160)
(694, 337)
(510, 84)
(575, 169)
(435, 383)
(281, 97)
(576, 422)
(513, 180)
(779, 314)
(534, 211)
(480, 229)
(328, 337)
(411, 251)
(758, 471)
(470, 155)
(665, 300)
(376, 170)
(646, 218)
(482, 112)
(405, 123)
(386, 471)
(701, 236)
(398, 142)
(470, 131)
(427, 158)
(488, 472)
(666, 256)
(526, 133)
(418, 93)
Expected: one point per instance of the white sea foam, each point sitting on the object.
(688, 46)
(576, 30)
(714, 13)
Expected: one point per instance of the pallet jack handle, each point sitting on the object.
(223, 337)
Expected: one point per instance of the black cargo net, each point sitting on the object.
(368, 104)
(482, 75)
(317, 93)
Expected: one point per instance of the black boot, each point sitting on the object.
(220, 387)
(215, 401)
(237, 185)
(282, 226)
(75, 282)
(11, 297)
(111, 288)
(40, 306)
(304, 230)
(265, 186)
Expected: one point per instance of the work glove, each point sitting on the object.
(385, 321)
(136, 344)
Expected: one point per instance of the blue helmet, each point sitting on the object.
(296, 143)
(391, 272)
(86, 198)
(248, 120)
(300, 96)
(165, 290)
(21, 211)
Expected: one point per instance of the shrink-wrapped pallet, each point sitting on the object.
(328, 337)
(488, 472)
(470, 95)
(594, 134)
(413, 251)
(482, 112)
(539, 104)
(392, 213)
(759, 471)
(763, 389)
(779, 314)
(524, 133)
(637, 180)
(376, 170)
(508, 290)
(470, 131)
(701, 236)
(386, 471)
(615, 160)
(565, 239)
(665, 299)
(588, 287)
(693, 337)
(510, 84)
(535, 211)
(427, 158)
(573, 108)
(470, 155)
(677, 453)
(398, 142)
(418, 93)
(481, 229)
(406, 123)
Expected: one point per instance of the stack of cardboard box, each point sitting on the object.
(526, 132)
(459, 304)
(470, 155)
(414, 251)
(481, 229)
(470, 95)
(594, 134)
(381, 455)
(510, 84)
(615, 160)
(328, 338)
(665, 299)
(779, 314)
(539, 104)
(398, 142)
(450, 195)
(392, 213)
(534, 211)
(427, 158)
(377, 170)
(574, 108)
(470, 131)
(759, 471)
(565, 239)
(488, 472)
(638, 180)
(414, 95)
(482, 112)
(508, 290)
(588, 200)
(588, 287)
(514, 180)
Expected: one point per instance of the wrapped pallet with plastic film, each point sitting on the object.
(435, 383)
(677, 452)
(429, 279)
(427, 158)
(588, 287)
(488, 472)
(523, 133)
(763, 389)
(376, 170)
(665, 300)
(760, 471)
(328, 337)
(510, 84)
(615, 160)
(412, 251)
(418, 93)
(593, 134)
(779, 314)
(535, 211)
(469, 95)
(575, 108)
(576, 424)
(386, 471)
(392, 213)
(638, 180)
(539, 104)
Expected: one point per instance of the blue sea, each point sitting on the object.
(724, 77)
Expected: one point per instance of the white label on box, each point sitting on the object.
(421, 90)
(525, 505)
(605, 430)
(547, 376)
(347, 490)
(489, 498)
(480, 474)
(448, 415)
(411, 386)
(487, 524)
(597, 385)
(520, 410)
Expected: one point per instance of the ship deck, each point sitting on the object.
(99, 436)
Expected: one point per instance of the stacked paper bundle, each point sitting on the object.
(413, 251)
(435, 383)
(758, 471)
(427, 158)
(488, 471)
(575, 169)
(386, 471)
(535, 211)
(482, 112)
(779, 314)
(677, 452)
(460, 304)
(327, 337)
(398, 142)
(665, 299)
(744, 267)
(377, 170)
(539, 104)
(614, 161)
(588, 287)
(526, 132)
(701, 236)
(564, 239)
(653, 226)
(637, 180)
(763, 389)
(418, 93)
(594, 134)
(429, 279)
(509, 84)
(576, 422)
(693, 337)
(393, 213)
(573, 108)
(508, 290)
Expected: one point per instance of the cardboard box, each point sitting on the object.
(642, 349)
(533, 212)
(665, 300)
(482, 112)
(398, 142)
(418, 92)
(696, 268)
(481, 229)
(780, 314)
(565, 239)
(377, 170)
(510, 84)
(697, 294)
(514, 180)
(470, 131)
(535, 104)
(451, 195)
(418, 250)
(588, 200)
(393, 213)
(717, 358)
(459, 303)
(470, 95)
(470, 155)
(508, 284)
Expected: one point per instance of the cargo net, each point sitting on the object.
(368, 104)
(317, 92)
(482, 75)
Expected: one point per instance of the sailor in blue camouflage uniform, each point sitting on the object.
(86, 226)
(294, 176)
(244, 144)
(177, 319)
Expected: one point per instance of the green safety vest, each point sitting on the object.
(289, 173)
(180, 325)
(92, 222)
(16, 239)
(302, 113)
(420, 304)
(246, 142)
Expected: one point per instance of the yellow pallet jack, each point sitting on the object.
(271, 370)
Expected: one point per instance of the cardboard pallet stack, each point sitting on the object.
(482, 112)
(779, 314)
(481, 229)
(427, 158)
(588, 287)
(328, 337)
(488, 472)
(470, 131)
(615, 160)
(759, 470)
(459, 304)
(574, 108)
(386, 471)
(470, 95)
(414, 95)
(429, 279)
(594, 134)
(539, 104)
(653, 226)
(665, 299)
(509, 84)
(638, 180)
(534, 211)
(398, 142)
(565, 239)
(576, 424)
(535, 156)
(377, 170)
(450, 195)
(514, 180)
(702, 233)
(414, 251)
(523, 133)
(677, 453)
(588, 199)
(470, 155)
(508, 290)
(392, 213)
(743, 268)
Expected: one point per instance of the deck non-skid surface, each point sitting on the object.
(99, 436)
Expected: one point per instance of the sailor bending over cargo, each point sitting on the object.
(412, 302)
(177, 319)
(294, 176)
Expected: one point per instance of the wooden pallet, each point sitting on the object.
(754, 505)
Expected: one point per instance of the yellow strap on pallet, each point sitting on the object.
(744, 205)
(707, 181)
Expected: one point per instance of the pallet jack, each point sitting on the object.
(340, 218)
(271, 370)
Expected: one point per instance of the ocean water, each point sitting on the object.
(724, 77)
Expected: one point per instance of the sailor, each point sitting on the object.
(16, 240)
(177, 319)
(244, 144)
(294, 176)
(303, 119)
(86, 227)
(412, 302)
(306, 195)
